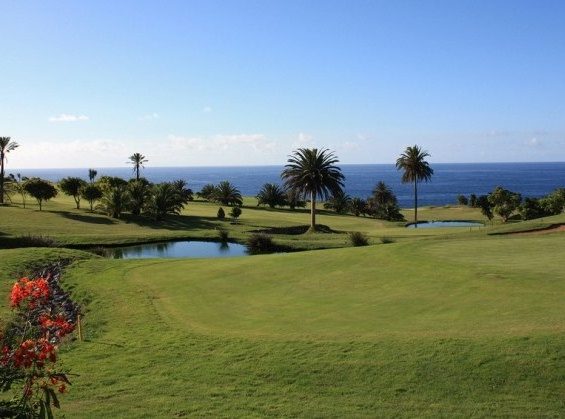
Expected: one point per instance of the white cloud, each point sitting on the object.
(65, 117)
(534, 142)
(207, 109)
(303, 140)
(76, 153)
(149, 117)
(349, 146)
(257, 142)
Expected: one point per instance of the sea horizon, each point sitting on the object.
(449, 180)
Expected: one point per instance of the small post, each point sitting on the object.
(79, 326)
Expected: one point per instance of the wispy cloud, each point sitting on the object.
(149, 117)
(303, 140)
(534, 142)
(258, 142)
(65, 117)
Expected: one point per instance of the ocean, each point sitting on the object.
(449, 179)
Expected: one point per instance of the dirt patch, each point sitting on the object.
(551, 229)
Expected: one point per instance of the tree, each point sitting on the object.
(272, 195)
(227, 194)
(92, 174)
(6, 145)
(504, 202)
(473, 200)
(531, 208)
(139, 192)
(40, 189)
(294, 199)
(313, 172)
(235, 213)
(383, 203)
(415, 168)
(108, 182)
(71, 186)
(17, 183)
(358, 206)
(91, 193)
(185, 193)
(137, 159)
(554, 203)
(462, 200)
(339, 202)
(165, 199)
(221, 214)
(484, 204)
(114, 200)
(207, 192)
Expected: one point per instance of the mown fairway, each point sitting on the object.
(456, 323)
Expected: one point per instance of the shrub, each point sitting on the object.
(35, 241)
(357, 239)
(235, 213)
(260, 243)
(221, 213)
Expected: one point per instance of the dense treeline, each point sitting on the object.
(507, 204)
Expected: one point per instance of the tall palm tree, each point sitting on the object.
(313, 172)
(137, 159)
(6, 145)
(416, 168)
(92, 174)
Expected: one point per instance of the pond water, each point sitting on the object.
(436, 224)
(179, 249)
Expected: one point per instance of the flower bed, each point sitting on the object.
(43, 317)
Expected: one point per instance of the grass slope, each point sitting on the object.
(435, 328)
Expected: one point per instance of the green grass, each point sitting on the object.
(81, 228)
(441, 323)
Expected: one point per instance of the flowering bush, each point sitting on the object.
(42, 315)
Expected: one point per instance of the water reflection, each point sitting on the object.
(436, 224)
(180, 249)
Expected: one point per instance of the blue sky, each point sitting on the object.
(86, 84)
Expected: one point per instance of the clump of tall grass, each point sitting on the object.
(357, 238)
(260, 243)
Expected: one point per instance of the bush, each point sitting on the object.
(357, 238)
(35, 241)
(235, 213)
(221, 214)
(260, 243)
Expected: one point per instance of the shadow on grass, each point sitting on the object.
(174, 222)
(85, 218)
(297, 230)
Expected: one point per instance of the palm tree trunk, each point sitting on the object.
(137, 172)
(2, 178)
(415, 203)
(313, 211)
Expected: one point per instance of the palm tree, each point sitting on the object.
(165, 199)
(227, 194)
(6, 145)
(114, 201)
(339, 202)
(272, 195)
(137, 159)
(312, 171)
(416, 168)
(92, 174)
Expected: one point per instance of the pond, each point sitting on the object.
(179, 249)
(436, 224)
